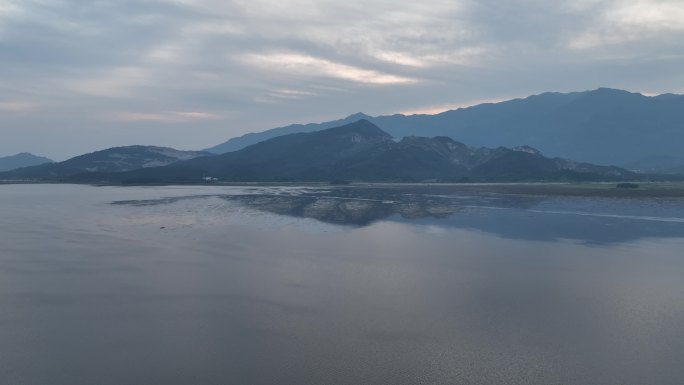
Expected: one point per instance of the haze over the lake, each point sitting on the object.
(80, 76)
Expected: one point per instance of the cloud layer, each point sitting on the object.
(77, 76)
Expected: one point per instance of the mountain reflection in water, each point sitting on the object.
(531, 217)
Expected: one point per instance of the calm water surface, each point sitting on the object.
(302, 285)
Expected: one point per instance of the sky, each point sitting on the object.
(78, 76)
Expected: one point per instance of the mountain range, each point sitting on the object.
(361, 151)
(23, 159)
(116, 159)
(603, 126)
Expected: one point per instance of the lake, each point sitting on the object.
(337, 285)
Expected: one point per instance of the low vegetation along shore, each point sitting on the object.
(641, 190)
(638, 190)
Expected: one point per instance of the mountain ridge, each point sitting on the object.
(361, 151)
(114, 159)
(22, 159)
(604, 126)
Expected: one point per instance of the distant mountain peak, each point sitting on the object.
(612, 90)
(667, 96)
(606, 92)
(358, 116)
(527, 149)
(22, 159)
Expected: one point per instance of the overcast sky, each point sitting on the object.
(78, 76)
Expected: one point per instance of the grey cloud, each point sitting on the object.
(86, 75)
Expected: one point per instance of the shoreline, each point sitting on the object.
(593, 189)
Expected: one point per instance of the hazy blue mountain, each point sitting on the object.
(243, 141)
(361, 151)
(116, 159)
(604, 126)
(23, 159)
